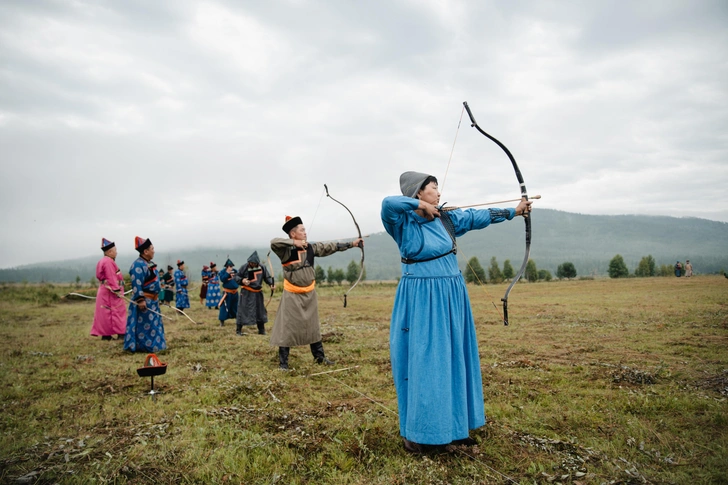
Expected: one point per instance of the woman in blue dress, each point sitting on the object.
(182, 299)
(433, 344)
(212, 300)
(229, 303)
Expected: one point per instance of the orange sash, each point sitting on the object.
(291, 288)
(251, 289)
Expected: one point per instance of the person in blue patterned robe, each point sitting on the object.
(180, 280)
(229, 304)
(213, 288)
(433, 343)
(144, 328)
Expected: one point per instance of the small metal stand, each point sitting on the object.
(152, 367)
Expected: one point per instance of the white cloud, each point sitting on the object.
(207, 122)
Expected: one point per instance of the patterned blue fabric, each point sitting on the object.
(182, 300)
(212, 300)
(433, 343)
(144, 330)
(229, 307)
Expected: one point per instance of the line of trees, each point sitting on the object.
(474, 272)
(338, 275)
(647, 267)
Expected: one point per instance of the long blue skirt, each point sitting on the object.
(144, 330)
(435, 362)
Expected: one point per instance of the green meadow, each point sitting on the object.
(594, 382)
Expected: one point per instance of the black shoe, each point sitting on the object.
(106, 337)
(414, 448)
(241, 334)
(222, 324)
(261, 332)
(283, 367)
(465, 442)
(325, 361)
(418, 449)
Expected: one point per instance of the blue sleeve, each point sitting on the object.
(473, 219)
(394, 210)
(138, 274)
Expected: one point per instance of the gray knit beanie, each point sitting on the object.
(410, 183)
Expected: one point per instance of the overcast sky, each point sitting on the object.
(205, 123)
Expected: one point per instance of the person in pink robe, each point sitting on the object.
(110, 313)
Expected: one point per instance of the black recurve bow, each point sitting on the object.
(526, 217)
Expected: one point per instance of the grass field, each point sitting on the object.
(603, 381)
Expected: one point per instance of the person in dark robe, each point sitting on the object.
(205, 274)
(229, 302)
(167, 282)
(251, 303)
(297, 319)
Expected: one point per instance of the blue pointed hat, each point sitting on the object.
(106, 244)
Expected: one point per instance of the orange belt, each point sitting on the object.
(290, 287)
(251, 289)
(228, 290)
(151, 296)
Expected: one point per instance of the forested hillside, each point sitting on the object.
(588, 241)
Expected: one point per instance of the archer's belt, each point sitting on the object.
(228, 290)
(291, 288)
(252, 289)
(151, 296)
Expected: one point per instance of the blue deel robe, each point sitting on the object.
(144, 330)
(182, 299)
(432, 339)
(229, 307)
(212, 300)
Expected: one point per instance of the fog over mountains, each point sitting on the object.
(588, 241)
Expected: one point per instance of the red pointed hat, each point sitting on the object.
(140, 244)
(291, 222)
(180, 262)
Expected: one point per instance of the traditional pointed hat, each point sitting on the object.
(291, 222)
(106, 244)
(140, 244)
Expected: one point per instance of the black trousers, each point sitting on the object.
(317, 350)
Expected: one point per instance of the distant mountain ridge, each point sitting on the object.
(588, 241)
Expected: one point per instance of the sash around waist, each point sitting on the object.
(291, 288)
(151, 296)
(252, 289)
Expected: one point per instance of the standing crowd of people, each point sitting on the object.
(433, 344)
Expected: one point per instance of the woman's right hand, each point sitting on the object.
(428, 210)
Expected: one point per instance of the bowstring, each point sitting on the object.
(452, 150)
(310, 226)
(442, 189)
